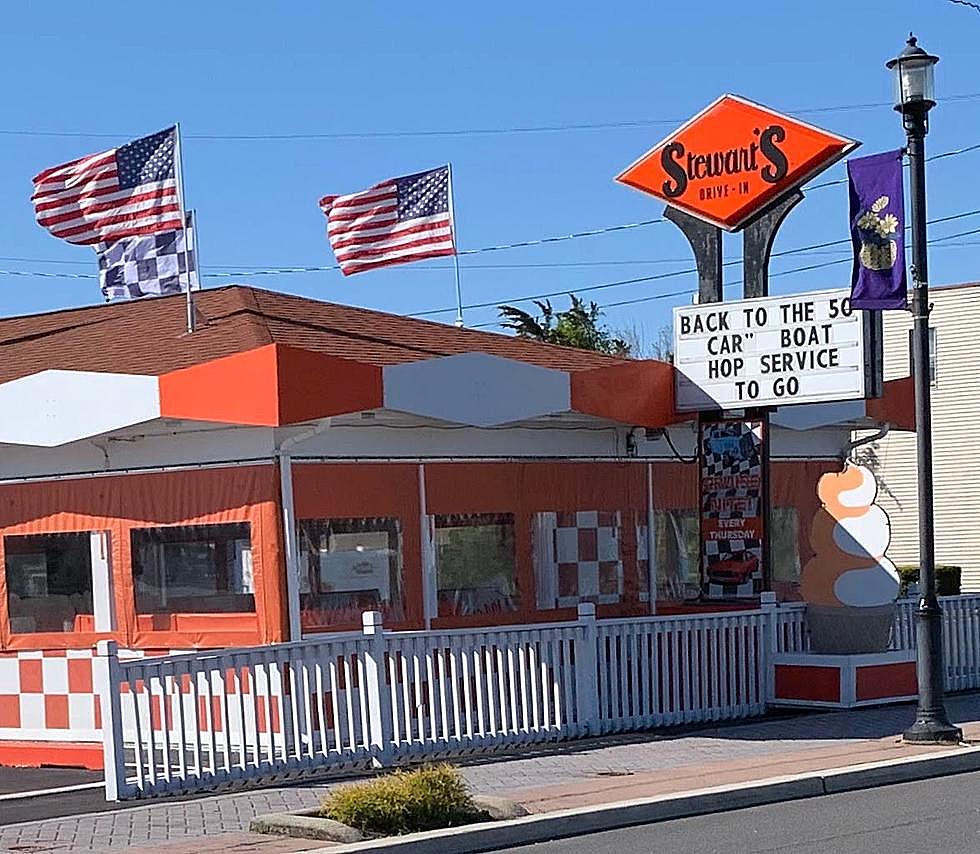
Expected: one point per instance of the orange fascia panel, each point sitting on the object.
(270, 386)
(896, 405)
(317, 385)
(237, 389)
(639, 393)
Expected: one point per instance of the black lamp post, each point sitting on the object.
(914, 97)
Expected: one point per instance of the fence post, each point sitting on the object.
(586, 672)
(109, 677)
(770, 646)
(380, 724)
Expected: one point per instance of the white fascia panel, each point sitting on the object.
(476, 389)
(55, 407)
(806, 416)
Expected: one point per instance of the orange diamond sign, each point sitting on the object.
(732, 160)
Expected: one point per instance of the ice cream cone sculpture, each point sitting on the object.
(849, 536)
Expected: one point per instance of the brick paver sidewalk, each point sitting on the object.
(543, 778)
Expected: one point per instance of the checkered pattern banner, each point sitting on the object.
(587, 557)
(731, 508)
(52, 696)
(149, 265)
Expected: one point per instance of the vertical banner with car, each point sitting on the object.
(731, 490)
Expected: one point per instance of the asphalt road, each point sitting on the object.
(941, 815)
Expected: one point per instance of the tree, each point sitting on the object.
(577, 326)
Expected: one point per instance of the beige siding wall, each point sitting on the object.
(956, 421)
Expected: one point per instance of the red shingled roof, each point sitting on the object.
(150, 336)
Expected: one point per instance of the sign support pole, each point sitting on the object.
(757, 240)
(705, 240)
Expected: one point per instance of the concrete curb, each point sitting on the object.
(491, 836)
(308, 824)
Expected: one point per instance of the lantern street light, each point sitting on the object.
(914, 97)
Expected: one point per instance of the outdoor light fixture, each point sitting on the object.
(914, 97)
(914, 81)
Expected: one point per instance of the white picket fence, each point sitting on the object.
(197, 721)
(375, 698)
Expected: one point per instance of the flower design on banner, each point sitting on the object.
(879, 251)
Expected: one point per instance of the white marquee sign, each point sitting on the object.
(773, 351)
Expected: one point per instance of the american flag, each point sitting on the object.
(111, 195)
(399, 220)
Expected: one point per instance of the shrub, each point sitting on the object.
(947, 578)
(428, 798)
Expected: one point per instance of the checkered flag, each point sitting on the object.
(149, 265)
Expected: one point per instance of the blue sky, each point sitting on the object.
(388, 75)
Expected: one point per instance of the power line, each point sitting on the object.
(806, 268)
(669, 275)
(220, 271)
(561, 127)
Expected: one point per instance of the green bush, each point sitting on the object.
(947, 578)
(428, 798)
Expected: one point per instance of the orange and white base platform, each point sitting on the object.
(844, 681)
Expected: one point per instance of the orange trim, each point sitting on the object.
(55, 754)
(882, 681)
(640, 392)
(896, 406)
(56, 640)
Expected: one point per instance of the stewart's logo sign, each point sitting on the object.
(732, 160)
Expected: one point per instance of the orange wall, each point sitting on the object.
(119, 504)
(251, 494)
(340, 491)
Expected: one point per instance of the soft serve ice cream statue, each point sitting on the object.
(849, 585)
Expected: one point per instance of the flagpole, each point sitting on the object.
(452, 220)
(179, 168)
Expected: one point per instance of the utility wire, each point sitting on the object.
(562, 127)
(220, 271)
(806, 268)
(668, 275)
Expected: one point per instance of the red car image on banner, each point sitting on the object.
(731, 508)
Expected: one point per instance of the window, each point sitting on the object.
(577, 558)
(348, 566)
(933, 355)
(475, 564)
(193, 569)
(784, 545)
(677, 534)
(49, 582)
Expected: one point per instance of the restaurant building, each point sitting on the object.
(292, 463)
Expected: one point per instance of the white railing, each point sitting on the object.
(464, 690)
(671, 670)
(375, 698)
(961, 641)
(791, 633)
(191, 721)
(197, 721)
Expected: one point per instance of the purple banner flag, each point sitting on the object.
(877, 218)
